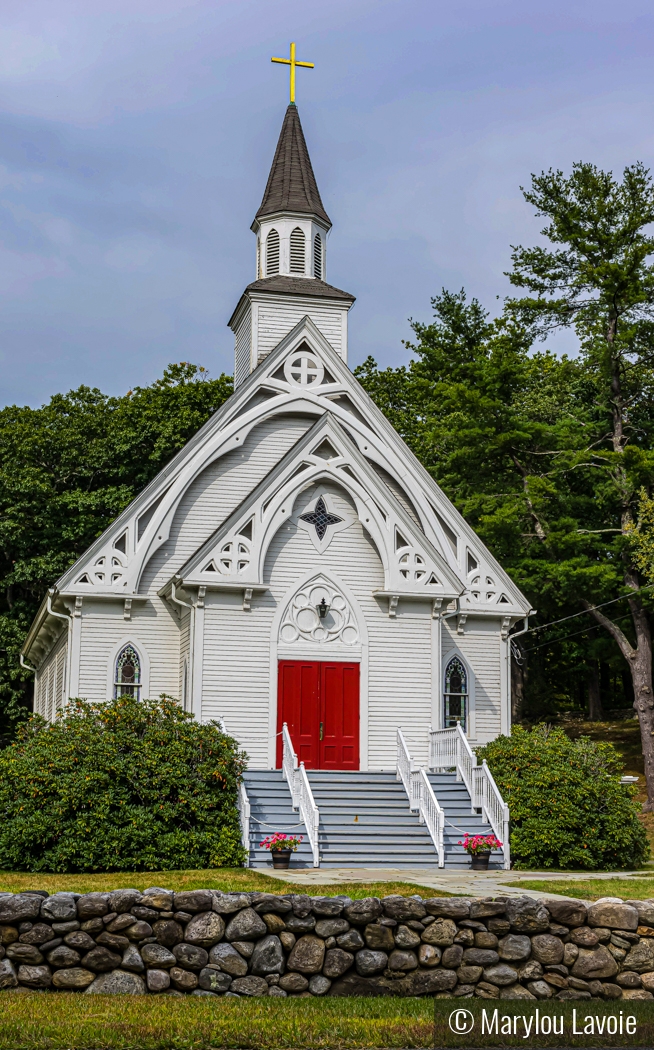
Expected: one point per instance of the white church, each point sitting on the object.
(294, 563)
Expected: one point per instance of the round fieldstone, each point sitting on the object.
(636, 993)
(337, 962)
(229, 960)
(480, 957)
(456, 908)
(331, 927)
(596, 963)
(157, 898)
(157, 980)
(250, 986)
(132, 960)
(486, 908)
(120, 923)
(363, 911)
(183, 980)
(403, 908)
(402, 960)
(61, 907)
(328, 907)
(501, 974)
(90, 905)
(485, 939)
(214, 981)
(193, 901)
(288, 939)
(515, 947)
(369, 962)
(613, 915)
(378, 938)
(406, 938)
(319, 985)
(63, 956)
(8, 976)
(274, 923)
(101, 960)
(300, 923)
(207, 928)
(547, 949)
(35, 976)
(268, 956)
(276, 991)
(568, 912)
(168, 932)
(350, 941)
(229, 903)
(113, 941)
(80, 941)
(429, 955)
(541, 989)
(244, 948)
(515, 991)
(640, 958)
(271, 902)
(629, 979)
(122, 901)
(308, 955)
(441, 933)
(40, 933)
(157, 956)
(119, 982)
(28, 954)
(469, 974)
(138, 930)
(453, 956)
(8, 934)
(526, 915)
(246, 926)
(293, 982)
(73, 979)
(19, 907)
(530, 971)
(570, 953)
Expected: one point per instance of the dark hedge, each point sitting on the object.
(120, 786)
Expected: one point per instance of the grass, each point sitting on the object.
(229, 880)
(79, 1022)
(636, 889)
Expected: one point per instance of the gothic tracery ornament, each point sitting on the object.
(302, 622)
(320, 518)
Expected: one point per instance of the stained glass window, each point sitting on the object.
(455, 697)
(321, 518)
(127, 681)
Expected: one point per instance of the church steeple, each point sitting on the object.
(291, 185)
(291, 226)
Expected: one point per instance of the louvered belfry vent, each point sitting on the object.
(297, 251)
(272, 253)
(317, 256)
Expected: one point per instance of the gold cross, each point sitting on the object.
(293, 63)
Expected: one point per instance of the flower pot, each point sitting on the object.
(479, 861)
(281, 858)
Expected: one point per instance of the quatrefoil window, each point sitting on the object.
(303, 369)
(234, 557)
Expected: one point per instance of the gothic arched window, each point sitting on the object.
(455, 697)
(127, 676)
(272, 253)
(297, 251)
(317, 256)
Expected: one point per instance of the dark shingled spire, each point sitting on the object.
(291, 184)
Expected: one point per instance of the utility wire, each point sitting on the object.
(584, 612)
(584, 630)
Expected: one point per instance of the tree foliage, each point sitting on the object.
(120, 786)
(568, 807)
(66, 471)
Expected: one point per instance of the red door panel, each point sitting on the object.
(320, 704)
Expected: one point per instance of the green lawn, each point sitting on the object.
(228, 880)
(80, 1022)
(636, 889)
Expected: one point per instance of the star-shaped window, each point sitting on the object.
(321, 518)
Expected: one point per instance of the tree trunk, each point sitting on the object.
(595, 713)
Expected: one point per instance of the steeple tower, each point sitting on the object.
(291, 227)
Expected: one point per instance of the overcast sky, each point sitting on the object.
(136, 138)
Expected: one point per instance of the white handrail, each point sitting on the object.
(407, 772)
(243, 804)
(289, 764)
(449, 749)
(301, 794)
(432, 815)
(309, 813)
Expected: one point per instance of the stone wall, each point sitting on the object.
(204, 942)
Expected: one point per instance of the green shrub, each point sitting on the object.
(568, 808)
(121, 786)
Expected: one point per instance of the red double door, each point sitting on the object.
(320, 704)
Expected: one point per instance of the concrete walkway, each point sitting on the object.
(464, 883)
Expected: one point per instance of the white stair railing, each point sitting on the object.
(421, 796)
(449, 749)
(301, 794)
(432, 815)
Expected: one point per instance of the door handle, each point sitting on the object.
(321, 733)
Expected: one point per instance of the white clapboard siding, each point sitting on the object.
(243, 349)
(185, 657)
(50, 681)
(400, 493)
(480, 646)
(218, 491)
(152, 628)
(275, 320)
